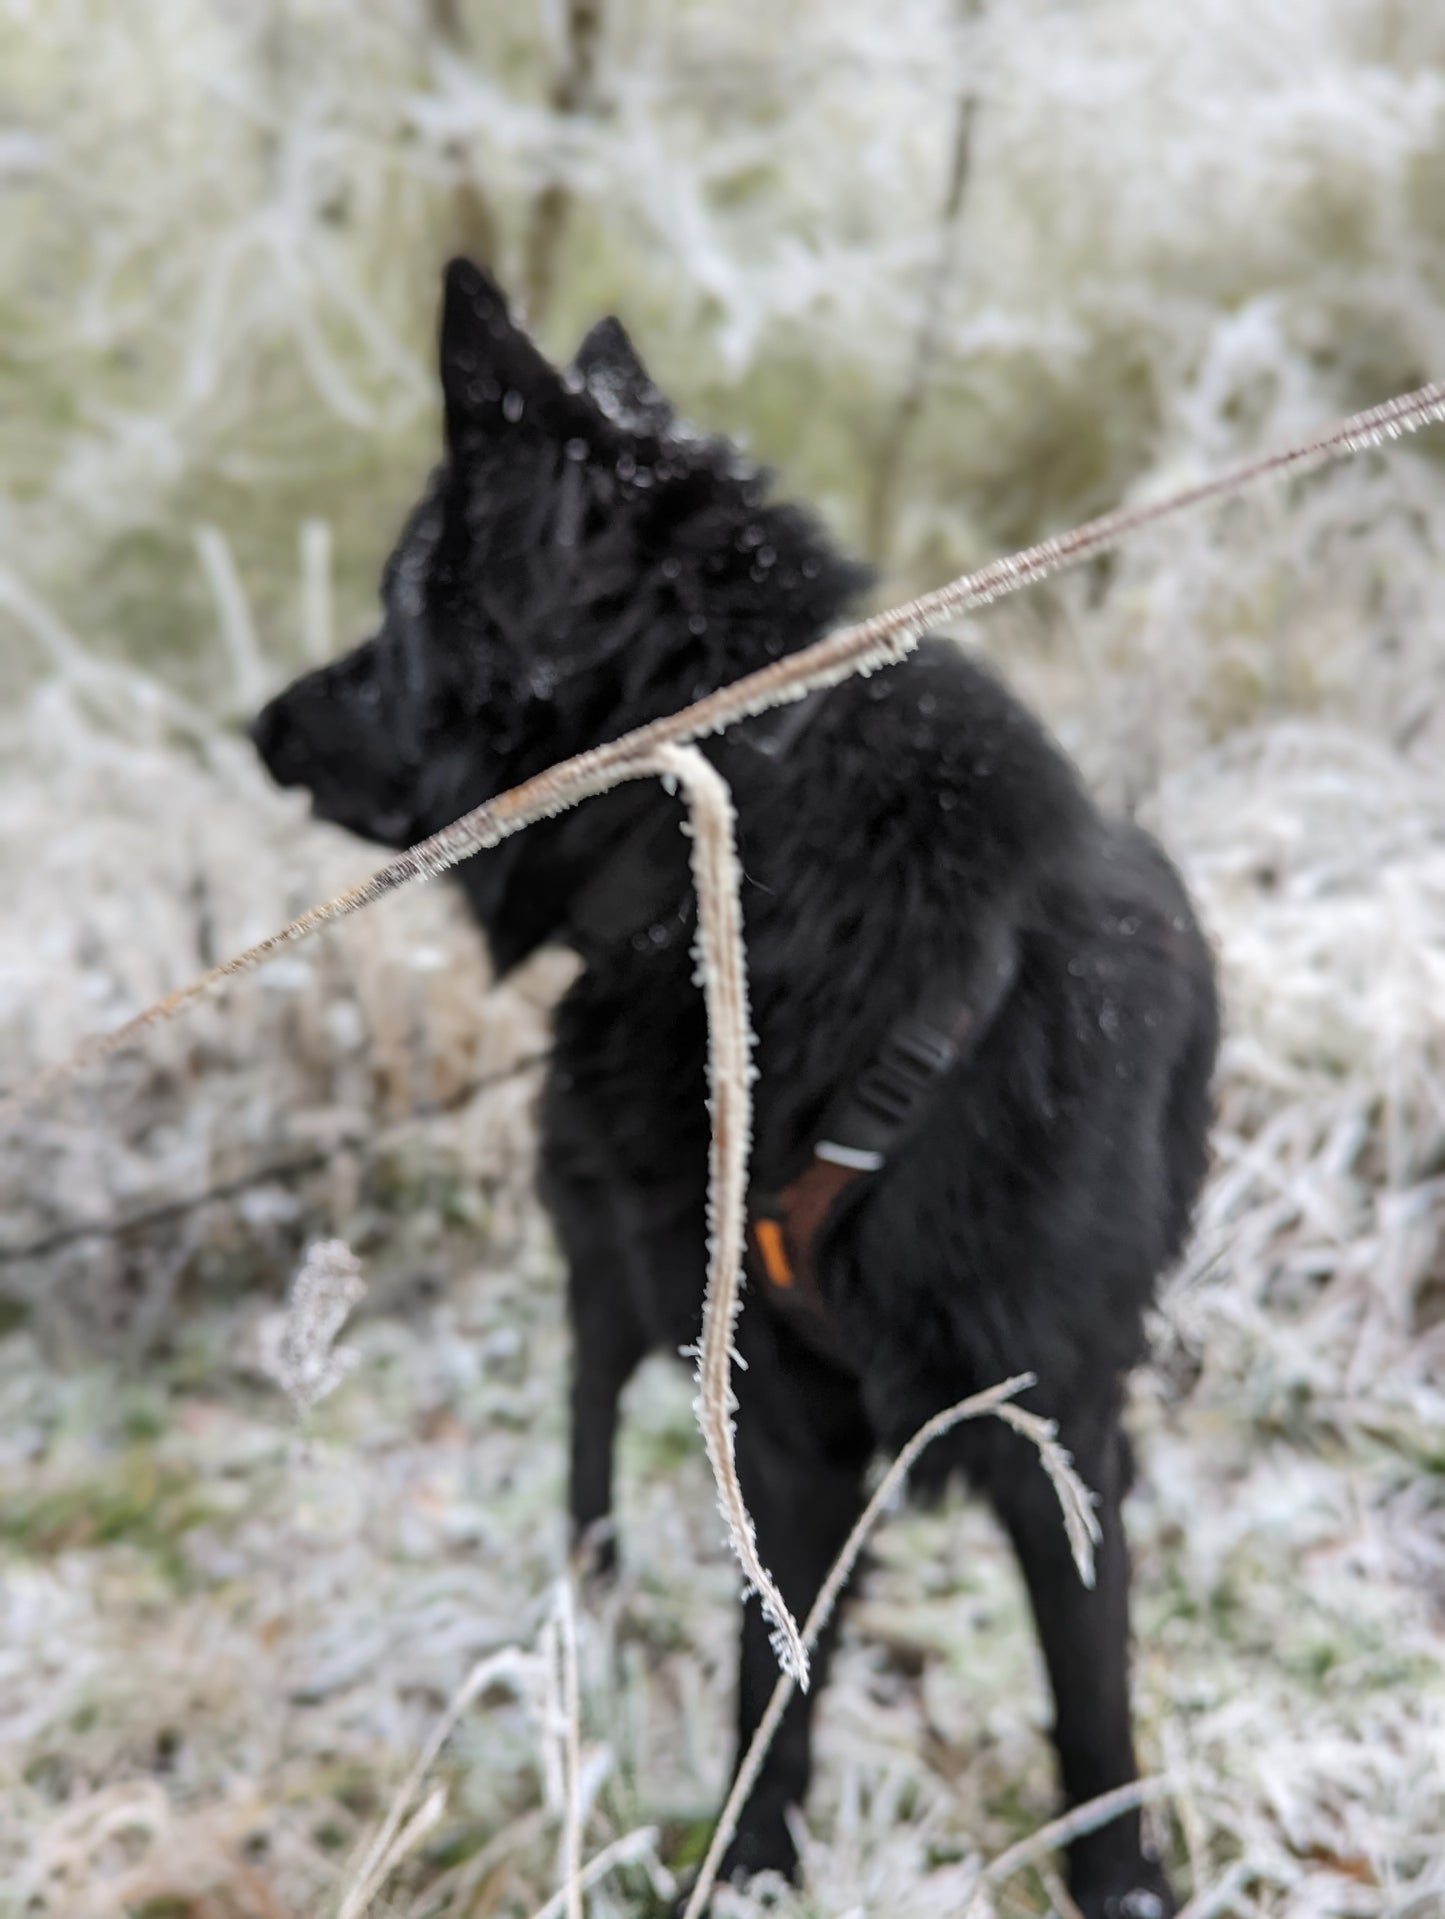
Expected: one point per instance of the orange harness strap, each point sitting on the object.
(785, 1232)
(782, 1235)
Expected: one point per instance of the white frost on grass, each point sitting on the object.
(1187, 233)
(1319, 855)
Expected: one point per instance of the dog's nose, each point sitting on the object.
(275, 738)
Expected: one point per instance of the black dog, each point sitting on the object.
(985, 1017)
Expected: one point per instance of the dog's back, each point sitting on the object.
(923, 822)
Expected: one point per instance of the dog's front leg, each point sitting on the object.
(804, 1498)
(609, 1342)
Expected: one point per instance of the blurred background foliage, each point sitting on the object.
(965, 271)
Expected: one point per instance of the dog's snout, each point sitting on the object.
(276, 739)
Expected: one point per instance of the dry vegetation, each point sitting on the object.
(224, 1640)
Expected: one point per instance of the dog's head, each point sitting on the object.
(580, 562)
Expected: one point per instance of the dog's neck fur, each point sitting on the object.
(613, 873)
(633, 889)
(683, 639)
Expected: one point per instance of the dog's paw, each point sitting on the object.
(594, 1559)
(767, 1889)
(761, 1855)
(1141, 1893)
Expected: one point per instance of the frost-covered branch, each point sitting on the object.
(881, 640)
(1076, 1502)
(722, 974)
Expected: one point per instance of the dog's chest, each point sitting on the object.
(630, 1060)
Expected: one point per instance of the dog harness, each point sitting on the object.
(858, 1136)
(868, 1119)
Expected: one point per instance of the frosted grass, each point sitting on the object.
(1184, 236)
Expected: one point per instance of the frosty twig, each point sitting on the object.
(722, 968)
(881, 640)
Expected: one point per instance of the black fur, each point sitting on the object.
(581, 563)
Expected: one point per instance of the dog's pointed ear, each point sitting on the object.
(491, 374)
(612, 370)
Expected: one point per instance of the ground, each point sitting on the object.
(1180, 237)
(227, 1637)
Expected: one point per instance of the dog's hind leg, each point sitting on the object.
(1085, 1639)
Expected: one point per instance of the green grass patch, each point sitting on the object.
(136, 1499)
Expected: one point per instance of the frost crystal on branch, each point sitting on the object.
(722, 973)
(297, 1346)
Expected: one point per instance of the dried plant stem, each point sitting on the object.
(1060, 1898)
(572, 94)
(238, 630)
(722, 970)
(626, 1851)
(557, 1659)
(1081, 1522)
(994, 1401)
(929, 337)
(1074, 1824)
(382, 1853)
(318, 620)
(1221, 1896)
(427, 1817)
(879, 641)
(272, 1172)
(474, 223)
(461, 1883)
(571, 1752)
